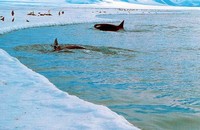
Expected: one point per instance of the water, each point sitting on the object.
(148, 73)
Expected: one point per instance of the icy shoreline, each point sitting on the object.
(30, 101)
(70, 17)
(75, 13)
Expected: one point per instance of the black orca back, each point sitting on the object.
(109, 27)
(105, 27)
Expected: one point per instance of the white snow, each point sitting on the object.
(71, 16)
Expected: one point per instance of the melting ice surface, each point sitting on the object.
(148, 73)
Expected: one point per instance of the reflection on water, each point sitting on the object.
(148, 73)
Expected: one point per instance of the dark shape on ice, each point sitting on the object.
(12, 13)
(2, 18)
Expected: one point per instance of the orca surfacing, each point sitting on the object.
(57, 47)
(110, 27)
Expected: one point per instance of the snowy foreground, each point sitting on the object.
(30, 101)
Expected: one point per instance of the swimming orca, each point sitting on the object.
(57, 47)
(109, 27)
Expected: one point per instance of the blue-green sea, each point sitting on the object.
(149, 73)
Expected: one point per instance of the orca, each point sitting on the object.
(110, 27)
(57, 47)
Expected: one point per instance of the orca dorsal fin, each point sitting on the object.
(121, 26)
(56, 42)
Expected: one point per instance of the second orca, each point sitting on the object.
(110, 27)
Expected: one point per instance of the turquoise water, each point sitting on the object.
(148, 73)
